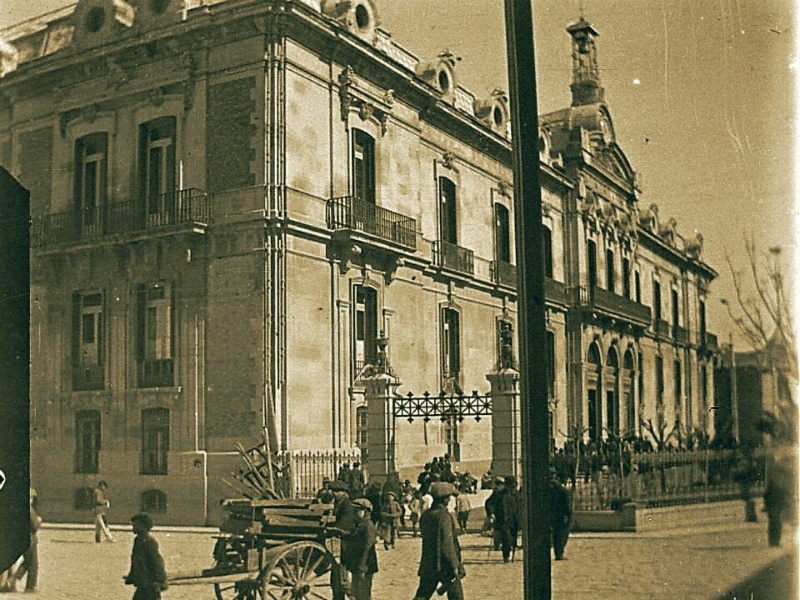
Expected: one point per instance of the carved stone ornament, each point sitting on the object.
(504, 188)
(156, 96)
(368, 105)
(117, 77)
(448, 160)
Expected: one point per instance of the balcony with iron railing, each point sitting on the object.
(156, 373)
(504, 273)
(709, 341)
(662, 328)
(614, 305)
(183, 207)
(680, 334)
(352, 214)
(453, 257)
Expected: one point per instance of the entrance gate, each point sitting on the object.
(385, 406)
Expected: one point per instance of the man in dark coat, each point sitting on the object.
(440, 562)
(509, 517)
(777, 499)
(147, 572)
(361, 558)
(493, 506)
(560, 516)
(345, 513)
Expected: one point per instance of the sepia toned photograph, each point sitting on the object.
(398, 299)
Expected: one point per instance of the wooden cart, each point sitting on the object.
(273, 549)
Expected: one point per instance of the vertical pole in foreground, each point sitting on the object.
(530, 298)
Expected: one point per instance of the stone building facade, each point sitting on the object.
(233, 203)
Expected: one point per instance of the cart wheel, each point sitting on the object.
(301, 570)
(246, 589)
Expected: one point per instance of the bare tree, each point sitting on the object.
(764, 317)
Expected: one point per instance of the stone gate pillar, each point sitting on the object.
(380, 390)
(506, 425)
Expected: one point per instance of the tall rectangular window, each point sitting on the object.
(547, 251)
(155, 334)
(364, 166)
(158, 168)
(366, 326)
(675, 308)
(551, 363)
(448, 226)
(362, 427)
(659, 368)
(87, 341)
(451, 437)
(626, 278)
(451, 344)
(702, 319)
(502, 228)
(155, 441)
(87, 441)
(678, 389)
(591, 258)
(610, 271)
(656, 301)
(637, 280)
(91, 176)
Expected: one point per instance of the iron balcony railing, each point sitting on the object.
(453, 257)
(662, 328)
(555, 291)
(615, 304)
(87, 378)
(156, 373)
(504, 273)
(680, 334)
(353, 213)
(709, 341)
(93, 223)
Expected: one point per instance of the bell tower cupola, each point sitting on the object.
(585, 86)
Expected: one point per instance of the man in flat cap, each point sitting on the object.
(440, 562)
(361, 558)
(345, 513)
(147, 572)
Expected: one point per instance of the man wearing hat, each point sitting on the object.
(560, 515)
(494, 509)
(147, 572)
(389, 520)
(361, 559)
(440, 561)
(345, 523)
(509, 517)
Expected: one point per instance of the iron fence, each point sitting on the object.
(306, 469)
(661, 479)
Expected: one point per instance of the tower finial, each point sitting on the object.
(586, 87)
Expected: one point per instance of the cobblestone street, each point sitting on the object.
(697, 564)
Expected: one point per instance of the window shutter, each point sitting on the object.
(456, 341)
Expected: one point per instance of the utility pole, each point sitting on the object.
(530, 298)
(734, 393)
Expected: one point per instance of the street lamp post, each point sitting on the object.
(530, 298)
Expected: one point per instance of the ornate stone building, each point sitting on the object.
(234, 203)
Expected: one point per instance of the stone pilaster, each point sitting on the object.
(506, 426)
(379, 392)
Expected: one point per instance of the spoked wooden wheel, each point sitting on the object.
(302, 570)
(245, 589)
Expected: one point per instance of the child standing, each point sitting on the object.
(390, 518)
(147, 572)
(415, 508)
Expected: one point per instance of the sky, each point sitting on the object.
(701, 93)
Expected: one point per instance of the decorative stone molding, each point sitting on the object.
(369, 106)
(493, 111)
(448, 160)
(359, 17)
(504, 188)
(440, 74)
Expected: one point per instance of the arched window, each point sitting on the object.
(593, 417)
(630, 397)
(451, 344)
(610, 272)
(612, 401)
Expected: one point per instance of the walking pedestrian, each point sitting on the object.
(777, 499)
(345, 514)
(494, 512)
(361, 559)
(509, 517)
(440, 561)
(29, 567)
(560, 515)
(415, 508)
(463, 508)
(101, 506)
(389, 519)
(147, 573)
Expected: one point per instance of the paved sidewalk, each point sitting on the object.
(713, 563)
